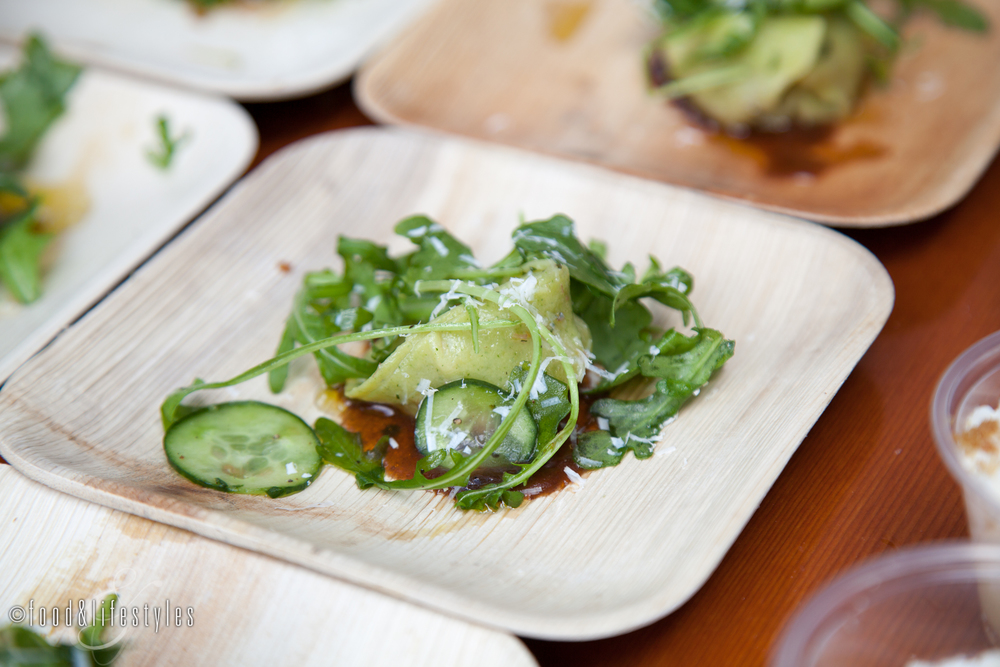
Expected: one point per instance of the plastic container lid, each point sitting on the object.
(920, 603)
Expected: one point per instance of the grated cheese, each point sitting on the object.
(573, 475)
(439, 247)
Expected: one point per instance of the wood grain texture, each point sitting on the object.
(496, 71)
(627, 546)
(245, 609)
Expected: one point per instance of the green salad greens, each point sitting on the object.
(773, 64)
(491, 361)
(23, 647)
(33, 97)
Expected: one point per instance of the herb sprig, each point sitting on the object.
(162, 156)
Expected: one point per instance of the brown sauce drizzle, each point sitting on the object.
(797, 151)
(375, 421)
(801, 150)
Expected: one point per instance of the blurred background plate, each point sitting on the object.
(566, 77)
(243, 608)
(253, 50)
(95, 157)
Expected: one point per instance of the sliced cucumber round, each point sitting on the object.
(462, 415)
(244, 447)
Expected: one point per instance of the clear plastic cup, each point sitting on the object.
(972, 380)
(921, 603)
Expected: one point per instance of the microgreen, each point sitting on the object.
(163, 155)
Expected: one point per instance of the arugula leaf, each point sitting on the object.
(489, 499)
(663, 291)
(439, 255)
(315, 321)
(680, 375)
(550, 406)
(556, 239)
(20, 250)
(600, 449)
(613, 345)
(694, 363)
(342, 448)
(32, 98)
(321, 309)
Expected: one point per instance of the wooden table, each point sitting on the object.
(867, 479)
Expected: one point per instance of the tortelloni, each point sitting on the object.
(437, 358)
(800, 70)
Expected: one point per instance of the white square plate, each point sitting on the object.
(257, 50)
(625, 547)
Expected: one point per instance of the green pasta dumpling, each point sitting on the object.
(430, 360)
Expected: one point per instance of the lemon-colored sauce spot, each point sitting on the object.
(61, 205)
(565, 18)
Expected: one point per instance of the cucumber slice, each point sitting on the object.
(462, 416)
(244, 447)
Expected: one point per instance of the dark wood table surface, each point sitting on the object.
(866, 480)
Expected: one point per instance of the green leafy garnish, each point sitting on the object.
(33, 97)
(21, 248)
(23, 647)
(342, 448)
(163, 155)
(769, 64)
(440, 290)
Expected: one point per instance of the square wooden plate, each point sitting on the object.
(623, 548)
(514, 73)
(95, 154)
(237, 607)
(255, 50)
